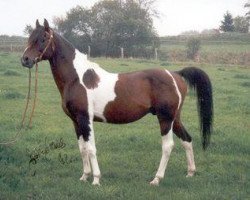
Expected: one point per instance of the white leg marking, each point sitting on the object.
(91, 147)
(167, 146)
(176, 88)
(190, 157)
(93, 157)
(85, 158)
(88, 152)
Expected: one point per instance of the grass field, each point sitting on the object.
(216, 43)
(210, 47)
(223, 48)
(45, 163)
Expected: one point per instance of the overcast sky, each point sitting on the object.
(176, 16)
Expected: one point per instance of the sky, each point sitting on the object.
(175, 16)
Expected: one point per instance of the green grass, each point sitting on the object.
(224, 48)
(45, 163)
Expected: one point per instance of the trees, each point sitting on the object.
(76, 27)
(190, 33)
(238, 24)
(110, 25)
(28, 29)
(227, 23)
(241, 24)
(247, 5)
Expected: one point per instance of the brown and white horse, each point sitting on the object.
(90, 93)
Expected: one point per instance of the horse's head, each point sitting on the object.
(40, 45)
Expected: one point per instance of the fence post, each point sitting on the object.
(156, 53)
(11, 47)
(122, 53)
(89, 50)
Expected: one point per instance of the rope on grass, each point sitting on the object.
(18, 133)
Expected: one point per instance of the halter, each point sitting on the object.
(51, 42)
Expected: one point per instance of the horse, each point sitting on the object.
(90, 93)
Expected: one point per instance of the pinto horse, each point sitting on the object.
(90, 93)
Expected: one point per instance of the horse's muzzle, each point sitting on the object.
(26, 62)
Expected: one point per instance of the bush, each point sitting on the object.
(193, 47)
(11, 73)
(13, 95)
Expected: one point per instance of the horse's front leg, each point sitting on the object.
(92, 156)
(85, 159)
(86, 142)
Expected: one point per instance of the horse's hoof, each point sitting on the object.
(96, 181)
(190, 174)
(155, 182)
(84, 178)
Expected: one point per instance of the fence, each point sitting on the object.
(12, 46)
(169, 54)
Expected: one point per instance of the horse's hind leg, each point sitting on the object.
(167, 146)
(186, 142)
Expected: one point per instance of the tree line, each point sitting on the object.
(109, 26)
(114, 26)
(238, 24)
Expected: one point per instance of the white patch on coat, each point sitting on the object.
(104, 93)
(190, 157)
(81, 65)
(176, 88)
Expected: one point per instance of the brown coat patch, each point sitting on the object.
(132, 99)
(90, 79)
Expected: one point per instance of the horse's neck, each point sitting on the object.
(68, 64)
(62, 62)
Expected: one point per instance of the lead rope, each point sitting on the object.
(34, 102)
(18, 134)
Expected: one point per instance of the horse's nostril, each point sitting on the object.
(25, 58)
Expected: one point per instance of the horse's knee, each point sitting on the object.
(82, 146)
(86, 148)
(187, 145)
(167, 147)
(91, 151)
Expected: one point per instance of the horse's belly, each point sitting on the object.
(121, 114)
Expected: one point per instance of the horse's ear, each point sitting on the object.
(37, 24)
(46, 25)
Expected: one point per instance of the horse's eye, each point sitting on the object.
(43, 40)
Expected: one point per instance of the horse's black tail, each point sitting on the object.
(200, 82)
